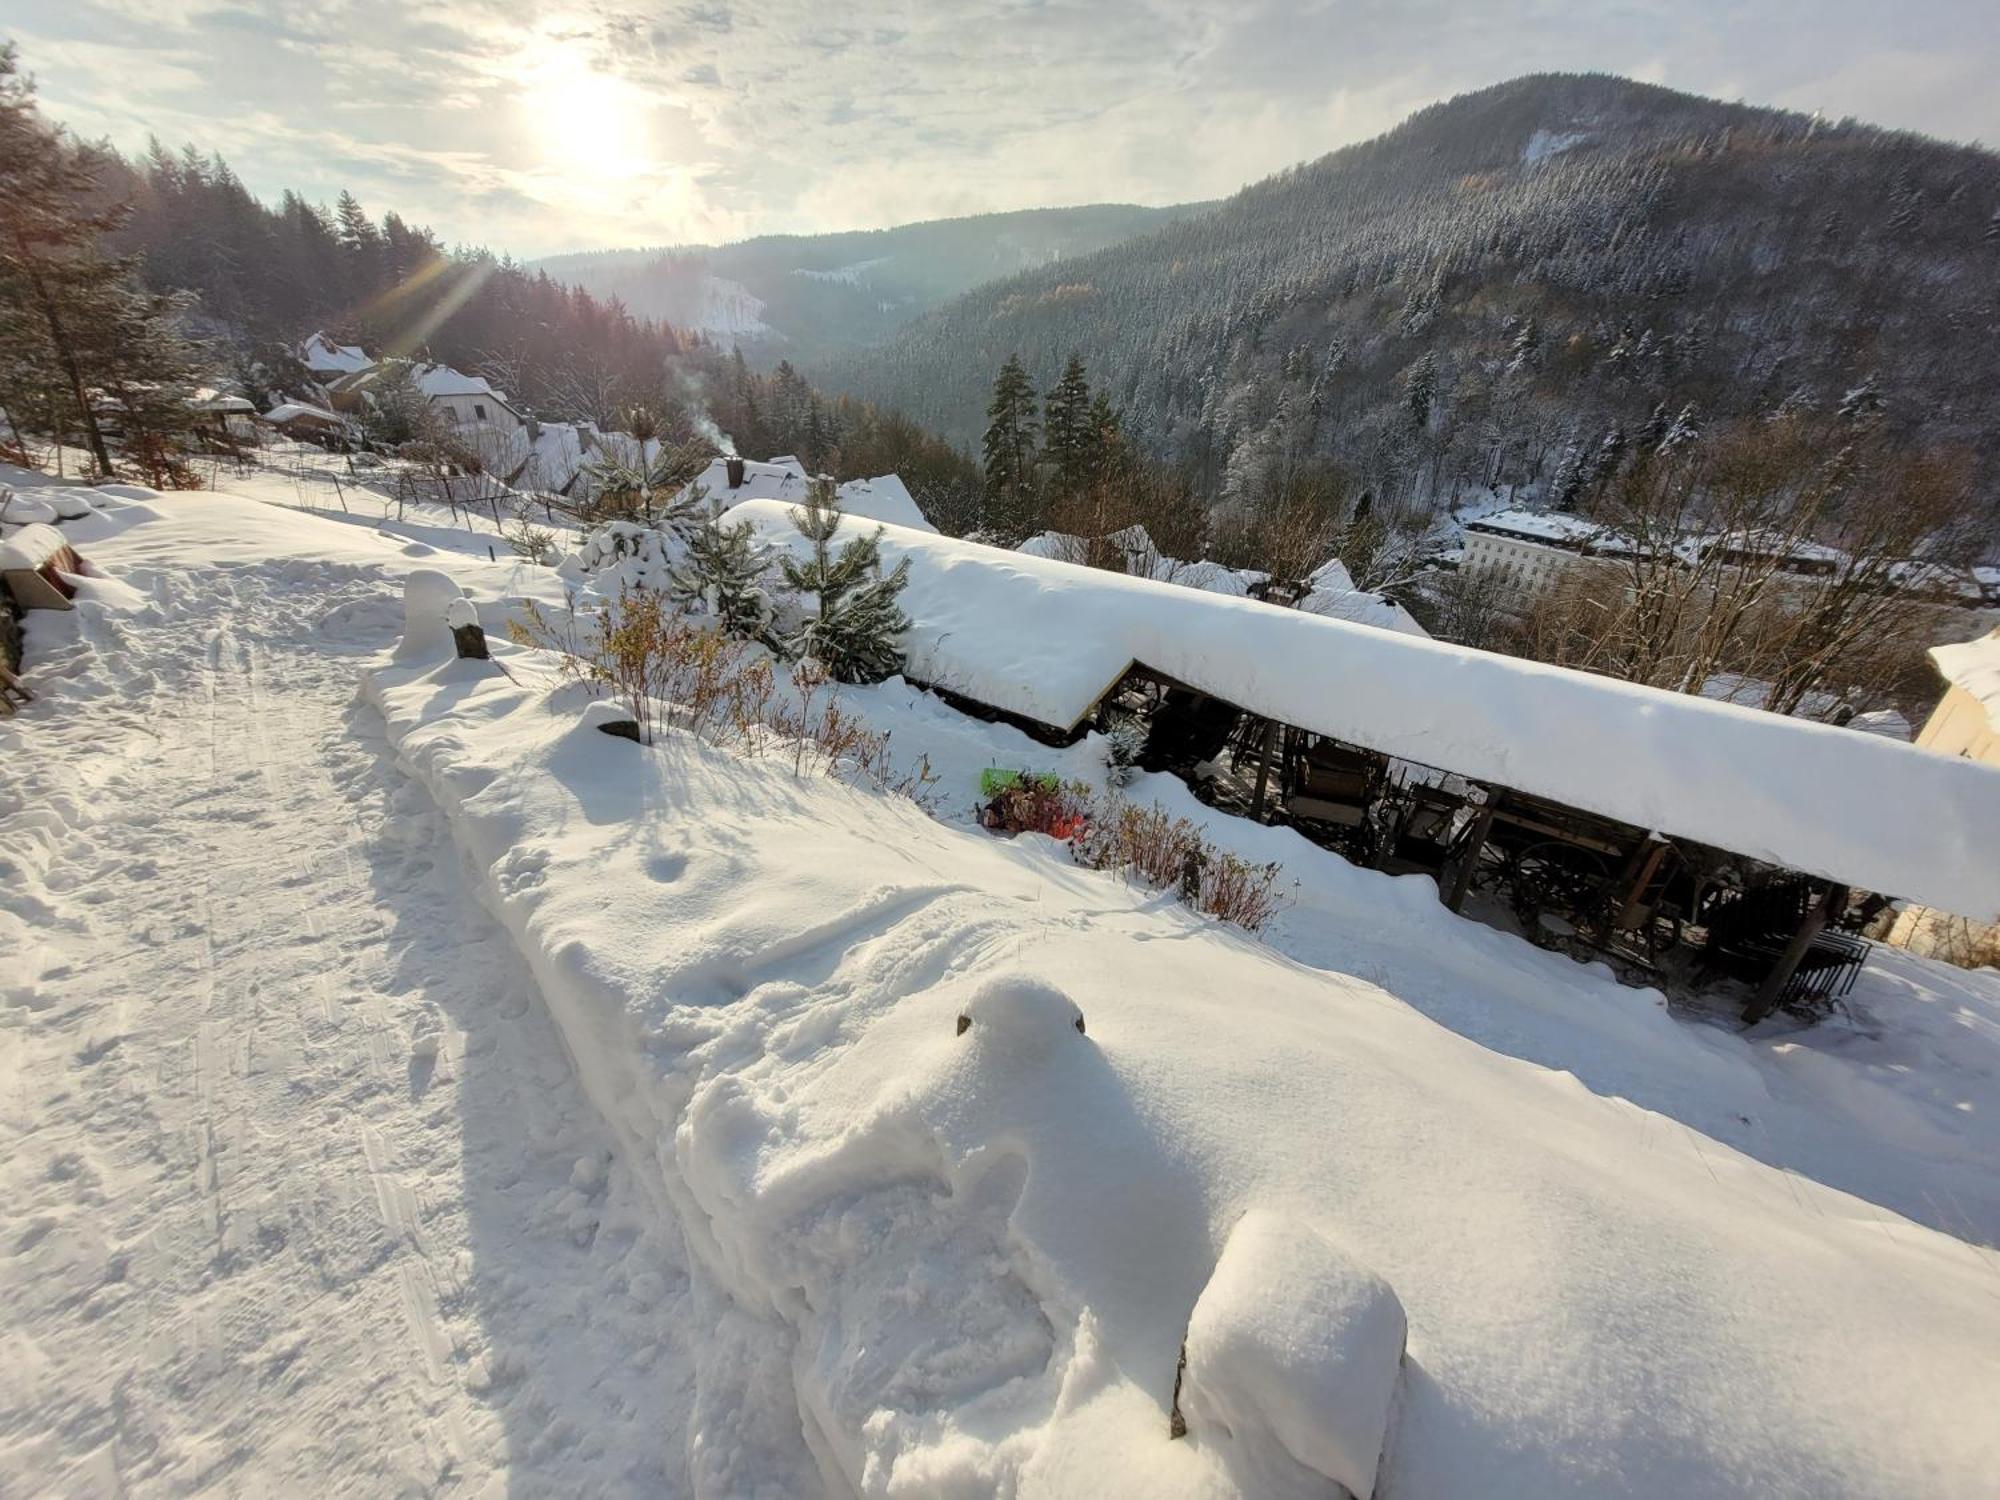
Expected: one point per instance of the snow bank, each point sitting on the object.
(1294, 1354)
(1046, 639)
(931, 1261)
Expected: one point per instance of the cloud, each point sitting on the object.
(557, 124)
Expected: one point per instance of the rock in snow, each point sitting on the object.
(1294, 1353)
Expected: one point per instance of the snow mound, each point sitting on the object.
(428, 599)
(1294, 1355)
(1029, 1017)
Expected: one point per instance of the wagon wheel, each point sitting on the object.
(1561, 881)
(1492, 867)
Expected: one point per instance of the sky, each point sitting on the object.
(536, 128)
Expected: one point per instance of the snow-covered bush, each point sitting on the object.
(1124, 741)
(626, 554)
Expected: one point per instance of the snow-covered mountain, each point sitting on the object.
(807, 297)
(1632, 243)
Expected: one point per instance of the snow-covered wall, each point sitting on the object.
(1045, 639)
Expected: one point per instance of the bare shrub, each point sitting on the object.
(673, 673)
(1146, 844)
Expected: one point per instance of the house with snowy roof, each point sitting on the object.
(730, 479)
(458, 399)
(327, 361)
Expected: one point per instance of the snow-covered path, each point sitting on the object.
(301, 1195)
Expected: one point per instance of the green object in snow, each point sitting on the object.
(995, 779)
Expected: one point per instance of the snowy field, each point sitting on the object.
(408, 1089)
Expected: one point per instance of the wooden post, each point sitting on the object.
(1475, 840)
(1263, 770)
(1637, 875)
(1766, 999)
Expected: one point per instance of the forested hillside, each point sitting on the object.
(807, 297)
(262, 278)
(1508, 278)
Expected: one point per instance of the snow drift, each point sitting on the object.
(941, 1260)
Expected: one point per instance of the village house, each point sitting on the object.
(1965, 723)
(327, 361)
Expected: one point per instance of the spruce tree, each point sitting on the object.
(1066, 429)
(1420, 389)
(1527, 347)
(855, 633)
(722, 574)
(1009, 450)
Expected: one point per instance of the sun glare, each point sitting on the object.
(586, 122)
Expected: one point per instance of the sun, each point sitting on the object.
(587, 123)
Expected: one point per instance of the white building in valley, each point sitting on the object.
(1529, 550)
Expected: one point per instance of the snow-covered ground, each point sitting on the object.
(422, 1092)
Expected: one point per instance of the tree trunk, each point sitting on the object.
(60, 338)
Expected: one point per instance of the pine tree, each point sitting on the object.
(64, 292)
(1566, 486)
(359, 242)
(722, 574)
(1420, 389)
(855, 632)
(1067, 433)
(1658, 424)
(1685, 429)
(1526, 350)
(1009, 449)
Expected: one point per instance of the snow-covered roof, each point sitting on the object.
(207, 398)
(1974, 667)
(1332, 590)
(883, 498)
(777, 479)
(1548, 528)
(1046, 639)
(323, 356)
(293, 411)
(443, 380)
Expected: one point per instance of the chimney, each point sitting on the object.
(734, 468)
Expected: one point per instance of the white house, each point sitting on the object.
(1966, 723)
(467, 400)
